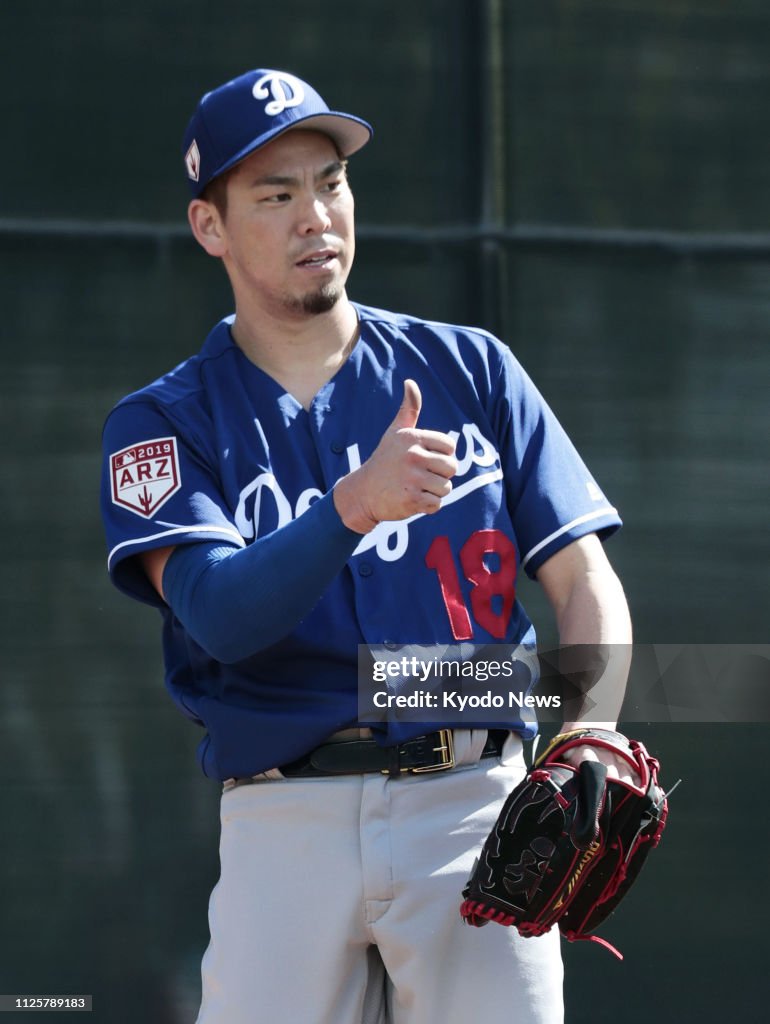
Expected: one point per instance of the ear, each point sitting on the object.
(207, 226)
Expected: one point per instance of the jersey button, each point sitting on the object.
(365, 569)
(337, 447)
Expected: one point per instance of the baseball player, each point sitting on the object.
(322, 477)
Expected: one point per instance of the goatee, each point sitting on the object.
(318, 302)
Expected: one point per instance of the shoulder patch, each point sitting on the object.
(144, 476)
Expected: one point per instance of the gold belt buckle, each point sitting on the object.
(446, 748)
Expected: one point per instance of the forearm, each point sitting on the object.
(236, 601)
(596, 636)
(594, 631)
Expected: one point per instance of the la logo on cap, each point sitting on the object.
(274, 84)
(192, 160)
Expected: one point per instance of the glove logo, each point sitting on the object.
(275, 84)
(524, 877)
(590, 853)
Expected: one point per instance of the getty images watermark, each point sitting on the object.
(499, 685)
(455, 683)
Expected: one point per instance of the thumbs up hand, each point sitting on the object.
(409, 472)
(411, 405)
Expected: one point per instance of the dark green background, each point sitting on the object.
(601, 128)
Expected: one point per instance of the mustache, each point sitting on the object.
(331, 247)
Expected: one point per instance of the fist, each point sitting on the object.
(409, 472)
(618, 767)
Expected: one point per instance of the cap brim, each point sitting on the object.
(349, 133)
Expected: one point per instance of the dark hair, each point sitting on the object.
(216, 193)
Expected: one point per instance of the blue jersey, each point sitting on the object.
(217, 450)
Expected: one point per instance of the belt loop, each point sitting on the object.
(394, 762)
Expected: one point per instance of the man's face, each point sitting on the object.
(288, 227)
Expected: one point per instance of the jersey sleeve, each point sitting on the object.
(156, 491)
(552, 496)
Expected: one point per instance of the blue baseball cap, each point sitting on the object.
(230, 122)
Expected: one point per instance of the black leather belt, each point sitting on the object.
(433, 752)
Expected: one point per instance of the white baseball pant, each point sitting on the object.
(338, 903)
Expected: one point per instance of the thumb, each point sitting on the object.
(409, 413)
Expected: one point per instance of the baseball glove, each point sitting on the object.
(569, 842)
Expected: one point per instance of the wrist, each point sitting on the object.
(577, 726)
(349, 507)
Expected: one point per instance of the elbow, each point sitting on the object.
(224, 653)
(223, 641)
(228, 648)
